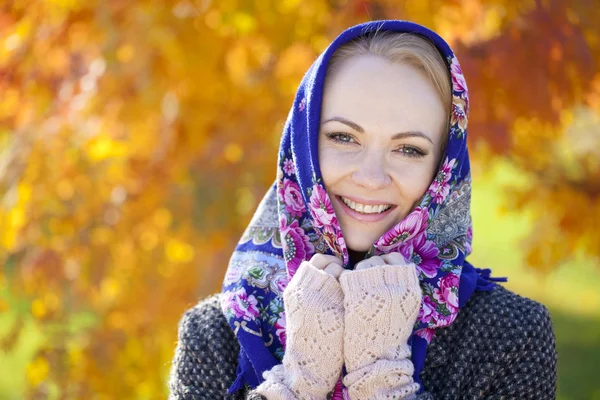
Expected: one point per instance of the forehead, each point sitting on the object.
(381, 95)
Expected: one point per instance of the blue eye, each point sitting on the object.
(342, 138)
(347, 139)
(411, 151)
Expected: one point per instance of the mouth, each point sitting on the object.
(365, 210)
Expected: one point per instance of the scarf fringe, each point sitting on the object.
(485, 282)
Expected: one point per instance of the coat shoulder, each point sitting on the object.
(206, 355)
(205, 319)
(507, 313)
(501, 344)
(500, 320)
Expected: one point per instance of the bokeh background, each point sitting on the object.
(137, 137)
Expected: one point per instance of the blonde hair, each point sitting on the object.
(404, 48)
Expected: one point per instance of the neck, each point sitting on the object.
(355, 257)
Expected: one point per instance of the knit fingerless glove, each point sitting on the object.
(381, 306)
(313, 358)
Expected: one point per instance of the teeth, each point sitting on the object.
(366, 209)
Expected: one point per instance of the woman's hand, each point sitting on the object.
(382, 297)
(329, 264)
(313, 359)
(386, 259)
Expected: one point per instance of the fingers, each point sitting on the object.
(334, 269)
(328, 264)
(394, 259)
(370, 262)
(334, 266)
(320, 261)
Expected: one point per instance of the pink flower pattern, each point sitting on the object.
(447, 292)
(424, 254)
(333, 238)
(321, 208)
(412, 226)
(469, 241)
(428, 310)
(459, 113)
(291, 196)
(296, 244)
(458, 79)
(242, 305)
(280, 328)
(233, 275)
(444, 320)
(426, 333)
(280, 283)
(440, 187)
(302, 105)
(288, 166)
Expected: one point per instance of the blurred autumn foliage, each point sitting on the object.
(136, 138)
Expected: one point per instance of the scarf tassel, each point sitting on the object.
(484, 274)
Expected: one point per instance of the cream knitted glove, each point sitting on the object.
(313, 358)
(381, 306)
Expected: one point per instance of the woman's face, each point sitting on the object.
(382, 128)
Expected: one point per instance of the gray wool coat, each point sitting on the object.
(501, 346)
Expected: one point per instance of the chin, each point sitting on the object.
(359, 245)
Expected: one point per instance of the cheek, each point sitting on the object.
(414, 180)
(332, 166)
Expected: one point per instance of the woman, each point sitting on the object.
(374, 148)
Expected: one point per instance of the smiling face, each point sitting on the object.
(383, 126)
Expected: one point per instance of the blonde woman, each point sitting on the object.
(351, 280)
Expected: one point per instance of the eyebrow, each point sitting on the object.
(358, 128)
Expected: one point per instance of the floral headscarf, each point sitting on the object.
(296, 219)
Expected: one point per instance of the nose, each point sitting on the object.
(371, 173)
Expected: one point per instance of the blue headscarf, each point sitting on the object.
(296, 219)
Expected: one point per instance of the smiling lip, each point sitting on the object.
(364, 217)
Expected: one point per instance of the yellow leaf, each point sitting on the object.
(148, 239)
(51, 301)
(244, 23)
(287, 6)
(38, 308)
(213, 19)
(162, 218)
(237, 63)
(117, 320)
(166, 269)
(104, 147)
(9, 102)
(4, 306)
(144, 390)
(101, 235)
(65, 5)
(16, 218)
(178, 251)
(37, 371)
(233, 153)
(65, 189)
(125, 53)
(110, 288)
(12, 42)
(245, 201)
(75, 356)
(24, 192)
